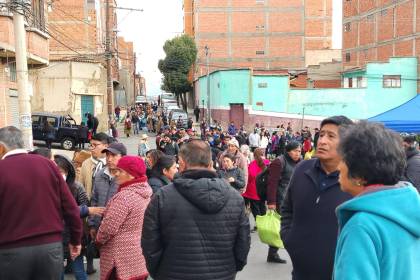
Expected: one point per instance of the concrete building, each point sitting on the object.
(377, 30)
(248, 97)
(140, 85)
(38, 52)
(260, 34)
(77, 49)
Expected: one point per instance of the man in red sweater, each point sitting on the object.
(34, 201)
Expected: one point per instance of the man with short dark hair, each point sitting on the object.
(196, 228)
(34, 200)
(104, 185)
(308, 225)
(88, 171)
(412, 171)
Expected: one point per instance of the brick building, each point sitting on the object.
(38, 51)
(377, 30)
(126, 58)
(262, 34)
(77, 48)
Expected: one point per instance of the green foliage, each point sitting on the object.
(181, 53)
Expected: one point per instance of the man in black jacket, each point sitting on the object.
(196, 228)
(309, 226)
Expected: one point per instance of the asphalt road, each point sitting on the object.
(257, 267)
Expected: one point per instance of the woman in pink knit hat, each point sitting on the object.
(120, 232)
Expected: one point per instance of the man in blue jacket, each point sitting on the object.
(309, 226)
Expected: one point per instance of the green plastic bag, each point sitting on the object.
(268, 227)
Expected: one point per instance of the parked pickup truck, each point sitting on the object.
(66, 132)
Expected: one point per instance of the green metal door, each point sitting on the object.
(87, 106)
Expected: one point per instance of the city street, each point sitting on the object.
(257, 267)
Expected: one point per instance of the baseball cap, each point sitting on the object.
(116, 149)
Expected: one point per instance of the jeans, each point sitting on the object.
(136, 128)
(78, 269)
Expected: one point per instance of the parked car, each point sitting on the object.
(176, 113)
(66, 131)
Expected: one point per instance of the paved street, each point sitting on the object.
(257, 267)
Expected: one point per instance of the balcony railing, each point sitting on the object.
(33, 10)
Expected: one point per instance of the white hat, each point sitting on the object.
(144, 136)
(233, 141)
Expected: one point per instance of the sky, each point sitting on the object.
(162, 20)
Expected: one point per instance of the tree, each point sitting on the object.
(181, 53)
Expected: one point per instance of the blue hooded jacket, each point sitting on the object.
(380, 235)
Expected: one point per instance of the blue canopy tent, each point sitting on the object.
(404, 118)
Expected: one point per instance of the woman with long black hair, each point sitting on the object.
(78, 191)
(163, 172)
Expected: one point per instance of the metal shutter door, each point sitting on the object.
(13, 108)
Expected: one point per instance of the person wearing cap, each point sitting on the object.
(412, 171)
(240, 160)
(120, 232)
(279, 173)
(143, 146)
(105, 185)
(308, 222)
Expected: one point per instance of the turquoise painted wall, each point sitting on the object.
(273, 97)
(226, 87)
(238, 86)
(328, 102)
(380, 99)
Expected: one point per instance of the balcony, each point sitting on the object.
(36, 37)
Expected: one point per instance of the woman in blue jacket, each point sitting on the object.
(380, 226)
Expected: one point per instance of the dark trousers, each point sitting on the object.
(43, 262)
(257, 207)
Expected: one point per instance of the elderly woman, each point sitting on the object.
(120, 232)
(380, 227)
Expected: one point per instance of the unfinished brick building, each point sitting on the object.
(262, 34)
(377, 30)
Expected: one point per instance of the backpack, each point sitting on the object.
(261, 181)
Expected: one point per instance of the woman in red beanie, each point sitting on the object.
(120, 232)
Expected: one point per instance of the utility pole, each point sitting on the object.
(134, 78)
(208, 86)
(25, 119)
(108, 58)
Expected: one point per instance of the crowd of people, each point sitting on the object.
(181, 211)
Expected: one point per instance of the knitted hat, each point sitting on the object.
(133, 165)
(234, 142)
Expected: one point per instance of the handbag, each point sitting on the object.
(92, 250)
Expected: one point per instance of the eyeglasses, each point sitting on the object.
(93, 146)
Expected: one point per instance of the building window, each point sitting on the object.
(348, 57)
(392, 81)
(262, 85)
(260, 27)
(347, 27)
(12, 71)
(259, 52)
(38, 18)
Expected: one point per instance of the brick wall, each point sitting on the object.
(269, 35)
(377, 30)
